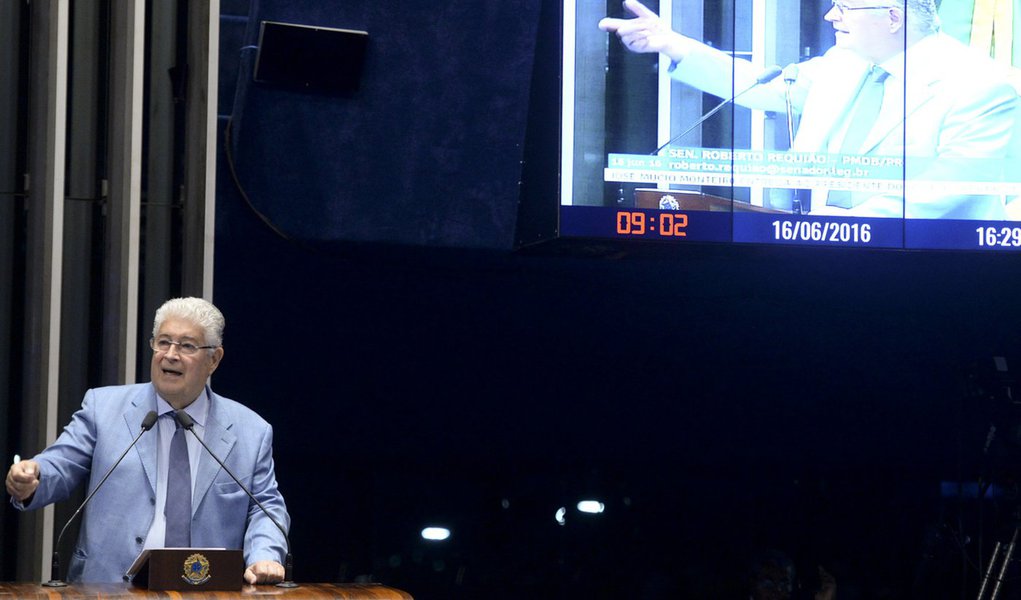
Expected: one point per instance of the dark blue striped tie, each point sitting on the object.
(178, 507)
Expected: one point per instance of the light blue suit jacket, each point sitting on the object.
(951, 104)
(118, 518)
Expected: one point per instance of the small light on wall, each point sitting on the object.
(435, 534)
(560, 516)
(592, 507)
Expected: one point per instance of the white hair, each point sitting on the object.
(922, 15)
(194, 310)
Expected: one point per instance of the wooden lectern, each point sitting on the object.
(189, 569)
(693, 200)
(124, 591)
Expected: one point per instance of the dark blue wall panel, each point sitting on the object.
(719, 399)
(427, 152)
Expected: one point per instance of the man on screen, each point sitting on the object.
(167, 492)
(892, 86)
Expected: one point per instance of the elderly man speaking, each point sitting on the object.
(168, 492)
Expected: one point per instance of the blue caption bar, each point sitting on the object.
(681, 226)
(805, 230)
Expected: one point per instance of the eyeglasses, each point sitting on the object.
(843, 8)
(183, 348)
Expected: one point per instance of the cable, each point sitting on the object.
(240, 188)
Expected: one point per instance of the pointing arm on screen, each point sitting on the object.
(706, 69)
(647, 33)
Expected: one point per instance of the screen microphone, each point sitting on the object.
(790, 75)
(185, 420)
(55, 580)
(769, 74)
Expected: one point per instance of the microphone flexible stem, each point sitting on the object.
(796, 207)
(790, 114)
(188, 424)
(765, 77)
(55, 580)
(715, 110)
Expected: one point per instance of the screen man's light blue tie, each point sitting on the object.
(866, 108)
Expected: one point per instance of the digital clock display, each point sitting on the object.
(664, 224)
(1004, 237)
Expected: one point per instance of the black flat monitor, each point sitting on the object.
(309, 58)
(756, 134)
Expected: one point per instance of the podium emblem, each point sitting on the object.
(668, 202)
(196, 569)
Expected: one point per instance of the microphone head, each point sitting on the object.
(769, 74)
(184, 419)
(149, 420)
(790, 73)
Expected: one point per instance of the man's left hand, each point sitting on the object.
(264, 571)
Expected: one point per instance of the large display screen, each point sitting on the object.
(873, 123)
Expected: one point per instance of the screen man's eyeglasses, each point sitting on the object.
(844, 8)
(183, 348)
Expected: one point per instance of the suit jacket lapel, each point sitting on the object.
(221, 441)
(827, 104)
(923, 70)
(145, 449)
(891, 120)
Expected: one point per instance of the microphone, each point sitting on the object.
(188, 423)
(55, 581)
(766, 76)
(790, 75)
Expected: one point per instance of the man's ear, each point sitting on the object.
(896, 15)
(215, 359)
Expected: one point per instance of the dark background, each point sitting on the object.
(720, 400)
